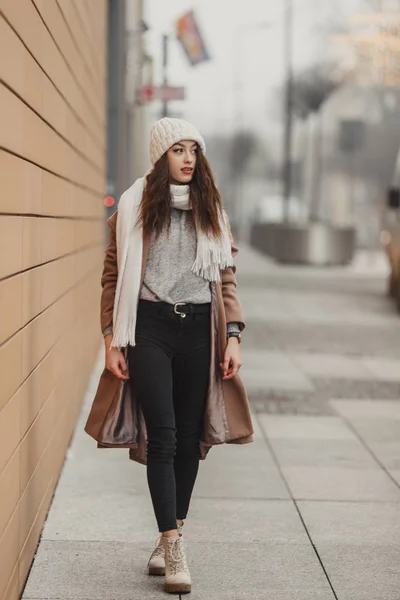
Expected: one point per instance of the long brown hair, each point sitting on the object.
(205, 199)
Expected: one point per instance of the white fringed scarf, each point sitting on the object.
(213, 255)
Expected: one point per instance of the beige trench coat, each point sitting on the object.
(115, 419)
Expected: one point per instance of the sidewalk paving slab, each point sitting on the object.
(377, 430)
(239, 471)
(361, 572)
(331, 365)
(258, 521)
(301, 452)
(271, 370)
(367, 408)
(334, 483)
(305, 427)
(363, 523)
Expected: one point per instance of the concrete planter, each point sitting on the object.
(312, 243)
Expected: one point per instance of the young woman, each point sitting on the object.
(171, 321)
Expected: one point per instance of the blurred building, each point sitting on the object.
(64, 144)
(357, 166)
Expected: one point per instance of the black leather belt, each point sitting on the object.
(180, 308)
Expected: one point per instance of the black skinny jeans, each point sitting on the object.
(169, 369)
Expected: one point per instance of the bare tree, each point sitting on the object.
(242, 147)
(312, 87)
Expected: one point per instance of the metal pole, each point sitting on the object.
(287, 148)
(165, 75)
(238, 112)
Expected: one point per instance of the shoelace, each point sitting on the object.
(176, 556)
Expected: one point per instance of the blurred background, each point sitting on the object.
(299, 104)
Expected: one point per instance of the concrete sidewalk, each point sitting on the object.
(309, 511)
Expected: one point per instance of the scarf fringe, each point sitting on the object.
(212, 257)
(124, 335)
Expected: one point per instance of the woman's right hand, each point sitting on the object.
(115, 362)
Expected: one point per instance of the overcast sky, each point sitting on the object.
(256, 27)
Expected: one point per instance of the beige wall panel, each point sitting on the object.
(55, 238)
(31, 246)
(95, 18)
(36, 141)
(9, 550)
(46, 376)
(28, 80)
(11, 245)
(41, 340)
(10, 416)
(10, 307)
(10, 490)
(21, 185)
(63, 198)
(24, 296)
(56, 278)
(90, 262)
(12, 592)
(38, 387)
(26, 188)
(17, 72)
(25, 19)
(62, 236)
(11, 368)
(41, 334)
(45, 475)
(94, 50)
(78, 62)
(29, 548)
(96, 15)
(41, 434)
(89, 232)
(32, 294)
(32, 448)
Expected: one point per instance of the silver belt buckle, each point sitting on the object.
(182, 315)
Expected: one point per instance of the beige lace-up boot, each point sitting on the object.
(156, 564)
(177, 576)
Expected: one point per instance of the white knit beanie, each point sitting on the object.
(166, 132)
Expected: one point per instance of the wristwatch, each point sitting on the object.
(235, 334)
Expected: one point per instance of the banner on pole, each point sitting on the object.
(189, 35)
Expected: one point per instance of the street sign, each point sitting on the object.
(166, 93)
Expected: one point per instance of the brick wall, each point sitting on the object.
(52, 166)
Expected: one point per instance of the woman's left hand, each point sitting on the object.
(232, 360)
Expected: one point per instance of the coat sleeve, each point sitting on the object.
(233, 308)
(109, 278)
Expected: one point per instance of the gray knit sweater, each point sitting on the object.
(168, 276)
